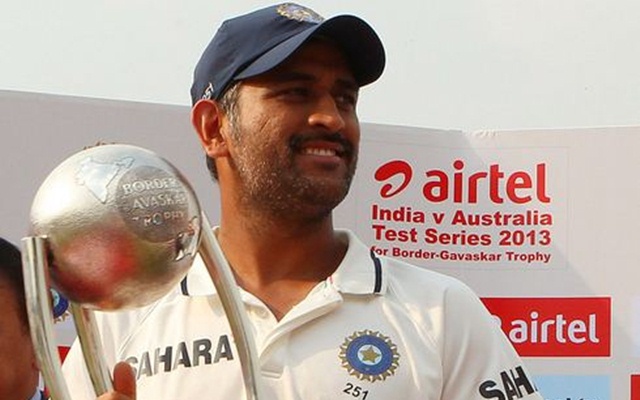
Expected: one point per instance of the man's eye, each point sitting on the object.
(347, 100)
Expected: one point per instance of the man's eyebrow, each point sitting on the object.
(297, 76)
(292, 76)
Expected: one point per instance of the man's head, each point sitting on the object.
(256, 43)
(18, 366)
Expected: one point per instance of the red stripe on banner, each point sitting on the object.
(555, 326)
(635, 387)
(62, 351)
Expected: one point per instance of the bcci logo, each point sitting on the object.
(369, 356)
(299, 13)
(60, 306)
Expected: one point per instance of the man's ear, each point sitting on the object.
(207, 119)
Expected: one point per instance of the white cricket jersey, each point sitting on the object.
(377, 329)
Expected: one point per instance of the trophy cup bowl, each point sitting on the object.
(117, 218)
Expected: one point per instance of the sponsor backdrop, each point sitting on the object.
(543, 225)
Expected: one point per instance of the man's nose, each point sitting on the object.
(327, 114)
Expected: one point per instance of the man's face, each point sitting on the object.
(18, 370)
(295, 139)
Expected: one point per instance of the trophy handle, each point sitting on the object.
(226, 287)
(87, 329)
(34, 267)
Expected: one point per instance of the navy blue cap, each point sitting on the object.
(254, 43)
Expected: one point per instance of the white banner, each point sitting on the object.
(541, 224)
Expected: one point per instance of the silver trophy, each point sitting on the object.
(115, 227)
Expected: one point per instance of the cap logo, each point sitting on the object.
(299, 13)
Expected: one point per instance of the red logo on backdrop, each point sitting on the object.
(555, 327)
(635, 387)
(462, 186)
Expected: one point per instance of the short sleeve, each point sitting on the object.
(478, 361)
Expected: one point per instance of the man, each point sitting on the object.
(19, 374)
(275, 97)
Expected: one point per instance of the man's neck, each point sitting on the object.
(280, 263)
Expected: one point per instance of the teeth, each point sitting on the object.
(319, 152)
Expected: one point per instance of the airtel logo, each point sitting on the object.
(462, 186)
(559, 329)
(556, 327)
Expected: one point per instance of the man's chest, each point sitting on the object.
(348, 353)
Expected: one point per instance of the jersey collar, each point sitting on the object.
(361, 272)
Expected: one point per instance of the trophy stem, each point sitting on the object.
(226, 287)
(34, 267)
(91, 348)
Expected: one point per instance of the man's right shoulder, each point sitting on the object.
(122, 323)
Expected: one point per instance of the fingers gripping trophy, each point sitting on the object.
(115, 227)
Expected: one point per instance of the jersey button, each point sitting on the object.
(262, 313)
